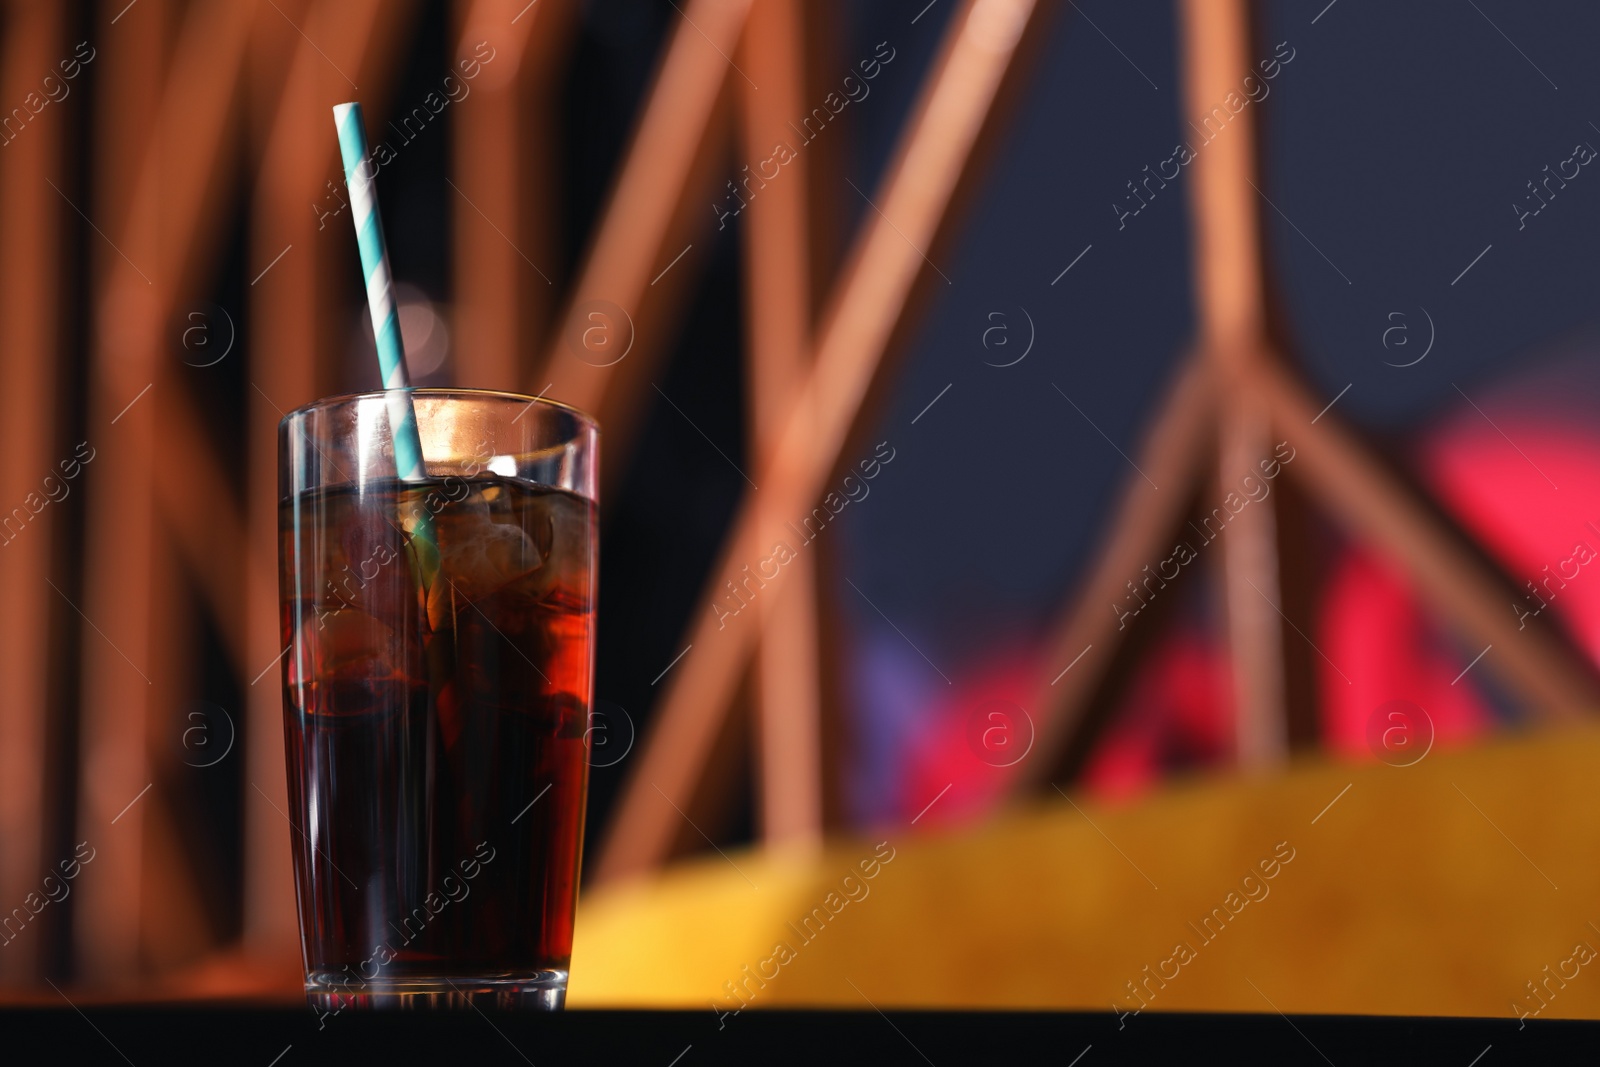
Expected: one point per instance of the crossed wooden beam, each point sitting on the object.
(161, 499)
(1235, 396)
(853, 335)
(1231, 400)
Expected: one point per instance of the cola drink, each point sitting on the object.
(438, 681)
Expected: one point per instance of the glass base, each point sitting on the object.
(333, 992)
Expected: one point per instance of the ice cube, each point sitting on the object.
(560, 523)
(375, 574)
(476, 557)
(344, 645)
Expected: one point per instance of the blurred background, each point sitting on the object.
(1177, 417)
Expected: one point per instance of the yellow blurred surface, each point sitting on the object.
(1438, 889)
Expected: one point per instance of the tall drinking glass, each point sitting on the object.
(437, 687)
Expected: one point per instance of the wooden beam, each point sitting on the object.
(295, 343)
(1175, 452)
(173, 145)
(195, 505)
(1226, 231)
(777, 242)
(504, 172)
(1241, 384)
(1229, 298)
(1336, 469)
(1251, 587)
(649, 212)
(30, 262)
(872, 293)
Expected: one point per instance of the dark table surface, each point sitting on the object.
(289, 1038)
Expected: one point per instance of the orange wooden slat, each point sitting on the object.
(1226, 232)
(778, 294)
(502, 179)
(1230, 302)
(120, 524)
(29, 291)
(629, 263)
(1251, 587)
(872, 293)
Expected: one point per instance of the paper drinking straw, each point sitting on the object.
(380, 296)
(385, 318)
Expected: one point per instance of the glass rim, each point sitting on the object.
(445, 393)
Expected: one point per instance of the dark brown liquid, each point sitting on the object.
(436, 739)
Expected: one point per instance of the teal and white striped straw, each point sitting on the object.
(385, 325)
(380, 295)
